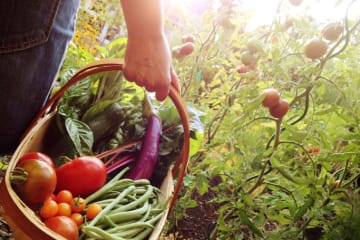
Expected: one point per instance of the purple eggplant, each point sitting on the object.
(146, 160)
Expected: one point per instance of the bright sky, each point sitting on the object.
(322, 10)
(264, 10)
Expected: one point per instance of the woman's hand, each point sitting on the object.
(148, 57)
(148, 64)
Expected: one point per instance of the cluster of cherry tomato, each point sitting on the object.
(278, 107)
(64, 213)
(64, 204)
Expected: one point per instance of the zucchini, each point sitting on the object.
(104, 124)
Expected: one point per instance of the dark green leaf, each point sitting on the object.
(81, 135)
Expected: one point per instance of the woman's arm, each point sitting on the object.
(148, 57)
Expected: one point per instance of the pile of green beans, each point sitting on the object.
(131, 209)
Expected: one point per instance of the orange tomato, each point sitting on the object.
(77, 218)
(93, 210)
(64, 196)
(64, 209)
(49, 209)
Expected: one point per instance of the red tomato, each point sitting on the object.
(64, 226)
(314, 150)
(271, 98)
(188, 38)
(243, 69)
(78, 205)
(38, 156)
(81, 176)
(280, 109)
(40, 182)
(183, 50)
(187, 48)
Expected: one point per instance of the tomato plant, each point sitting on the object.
(248, 58)
(315, 48)
(64, 226)
(280, 109)
(271, 98)
(81, 176)
(332, 31)
(34, 181)
(270, 183)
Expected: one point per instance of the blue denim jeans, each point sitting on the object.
(34, 35)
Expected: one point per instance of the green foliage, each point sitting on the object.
(274, 184)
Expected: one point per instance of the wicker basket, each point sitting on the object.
(23, 221)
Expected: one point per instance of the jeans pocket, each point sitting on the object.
(25, 23)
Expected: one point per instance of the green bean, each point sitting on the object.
(155, 218)
(142, 181)
(99, 233)
(127, 215)
(139, 201)
(110, 206)
(129, 226)
(132, 232)
(146, 215)
(106, 188)
(109, 221)
(143, 234)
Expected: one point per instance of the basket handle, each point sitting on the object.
(105, 65)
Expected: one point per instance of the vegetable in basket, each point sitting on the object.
(130, 210)
(81, 176)
(33, 180)
(146, 160)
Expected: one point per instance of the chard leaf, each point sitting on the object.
(81, 135)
